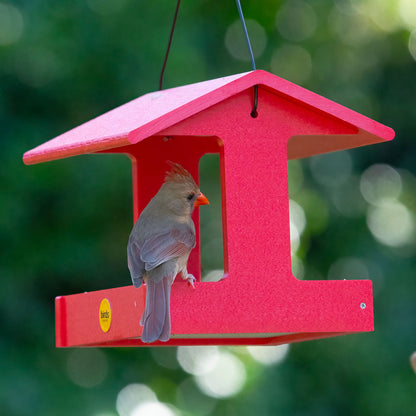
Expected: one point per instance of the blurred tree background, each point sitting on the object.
(64, 225)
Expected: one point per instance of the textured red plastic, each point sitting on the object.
(150, 113)
(259, 301)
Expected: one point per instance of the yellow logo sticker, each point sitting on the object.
(105, 315)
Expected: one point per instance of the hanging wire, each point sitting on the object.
(253, 63)
(253, 113)
(169, 43)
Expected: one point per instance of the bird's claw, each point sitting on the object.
(191, 280)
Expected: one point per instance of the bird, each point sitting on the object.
(159, 246)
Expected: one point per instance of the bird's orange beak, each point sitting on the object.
(201, 200)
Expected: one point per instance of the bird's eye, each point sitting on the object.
(190, 196)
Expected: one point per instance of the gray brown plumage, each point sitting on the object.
(159, 246)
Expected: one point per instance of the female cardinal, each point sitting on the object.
(159, 247)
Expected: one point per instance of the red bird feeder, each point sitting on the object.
(260, 302)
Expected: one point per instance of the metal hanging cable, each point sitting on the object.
(253, 63)
(169, 44)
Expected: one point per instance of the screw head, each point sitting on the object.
(363, 305)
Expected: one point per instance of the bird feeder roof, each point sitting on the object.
(153, 112)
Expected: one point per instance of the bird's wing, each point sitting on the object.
(135, 263)
(162, 247)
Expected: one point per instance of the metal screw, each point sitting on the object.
(363, 305)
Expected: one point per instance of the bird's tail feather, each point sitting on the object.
(156, 316)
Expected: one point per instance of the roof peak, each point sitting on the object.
(152, 113)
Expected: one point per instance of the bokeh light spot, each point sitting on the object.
(357, 268)
(292, 62)
(297, 224)
(348, 268)
(297, 216)
(152, 409)
(332, 169)
(298, 268)
(104, 414)
(37, 67)
(189, 398)
(87, 367)
(296, 20)
(166, 357)
(132, 396)
(315, 208)
(269, 355)
(225, 379)
(236, 44)
(412, 44)
(392, 224)
(197, 360)
(213, 276)
(347, 7)
(354, 29)
(295, 176)
(11, 24)
(383, 13)
(294, 238)
(407, 12)
(347, 198)
(380, 183)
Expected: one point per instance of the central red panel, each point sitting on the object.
(260, 301)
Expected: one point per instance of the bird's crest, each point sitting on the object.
(178, 174)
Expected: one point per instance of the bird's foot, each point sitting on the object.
(191, 280)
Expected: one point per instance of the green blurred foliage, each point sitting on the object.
(64, 224)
